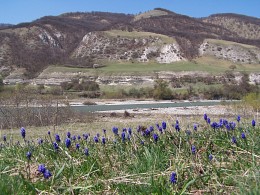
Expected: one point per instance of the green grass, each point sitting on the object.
(205, 64)
(129, 167)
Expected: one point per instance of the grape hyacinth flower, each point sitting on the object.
(243, 135)
(155, 137)
(164, 125)
(104, 131)
(161, 130)
(95, 139)
(40, 141)
(29, 155)
(47, 174)
(210, 157)
(238, 118)
(86, 152)
(129, 131)
(41, 168)
(177, 127)
(68, 134)
(173, 178)
(253, 123)
(4, 138)
(123, 136)
(195, 127)
(67, 142)
(115, 130)
(77, 146)
(205, 117)
(234, 140)
(74, 137)
(193, 149)
(57, 138)
(23, 132)
(56, 146)
(98, 135)
(103, 140)
(79, 137)
(49, 132)
(208, 120)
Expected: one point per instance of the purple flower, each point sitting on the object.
(193, 149)
(161, 130)
(177, 127)
(238, 118)
(164, 125)
(41, 168)
(234, 140)
(142, 142)
(68, 134)
(124, 129)
(95, 139)
(56, 146)
(98, 135)
(23, 132)
(195, 127)
(49, 132)
(253, 123)
(57, 138)
(243, 135)
(155, 137)
(29, 155)
(173, 178)
(115, 130)
(205, 117)
(40, 141)
(129, 131)
(86, 152)
(74, 137)
(104, 131)
(208, 120)
(210, 157)
(67, 142)
(77, 146)
(123, 136)
(47, 174)
(85, 136)
(79, 137)
(4, 138)
(103, 140)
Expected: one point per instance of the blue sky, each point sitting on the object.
(17, 11)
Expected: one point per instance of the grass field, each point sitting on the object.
(205, 64)
(163, 156)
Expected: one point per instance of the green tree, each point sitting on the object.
(161, 90)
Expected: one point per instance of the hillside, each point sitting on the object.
(160, 36)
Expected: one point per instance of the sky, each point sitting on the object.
(17, 11)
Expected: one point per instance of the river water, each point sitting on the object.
(113, 107)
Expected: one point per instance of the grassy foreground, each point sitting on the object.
(172, 157)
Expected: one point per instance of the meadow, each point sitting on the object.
(183, 155)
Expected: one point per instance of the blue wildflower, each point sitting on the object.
(177, 127)
(215, 125)
(67, 142)
(124, 129)
(49, 132)
(151, 128)
(104, 131)
(147, 132)
(234, 140)
(115, 130)
(161, 130)
(74, 137)
(85, 136)
(41, 168)
(40, 141)
(155, 137)
(173, 178)
(164, 125)
(86, 152)
(47, 174)
(193, 149)
(195, 127)
(123, 136)
(68, 134)
(253, 123)
(238, 118)
(23, 132)
(4, 138)
(77, 146)
(29, 155)
(57, 138)
(103, 140)
(129, 131)
(142, 142)
(232, 125)
(56, 146)
(79, 137)
(157, 125)
(243, 135)
(98, 135)
(210, 157)
(205, 117)
(208, 120)
(95, 139)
